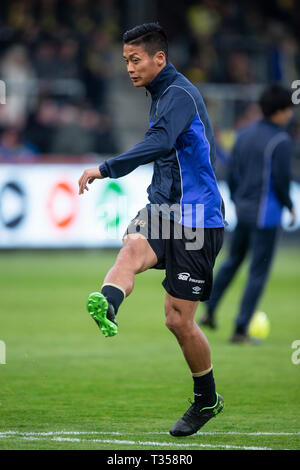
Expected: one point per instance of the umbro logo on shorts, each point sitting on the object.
(196, 289)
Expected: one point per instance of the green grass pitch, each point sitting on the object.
(65, 386)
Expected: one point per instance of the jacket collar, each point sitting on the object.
(161, 82)
(272, 124)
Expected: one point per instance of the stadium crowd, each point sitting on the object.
(57, 58)
(56, 61)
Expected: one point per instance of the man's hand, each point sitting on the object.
(88, 176)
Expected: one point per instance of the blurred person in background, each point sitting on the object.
(99, 127)
(18, 74)
(81, 129)
(45, 63)
(13, 148)
(67, 62)
(98, 67)
(69, 138)
(259, 181)
(239, 69)
(42, 124)
(218, 42)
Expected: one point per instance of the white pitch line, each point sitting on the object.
(143, 443)
(117, 433)
(57, 436)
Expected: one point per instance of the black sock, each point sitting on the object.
(240, 330)
(114, 295)
(210, 311)
(204, 389)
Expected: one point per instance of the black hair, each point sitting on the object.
(150, 35)
(275, 98)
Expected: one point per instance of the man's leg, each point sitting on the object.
(180, 321)
(237, 252)
(263, 243)
(135, 256)
(194, 345)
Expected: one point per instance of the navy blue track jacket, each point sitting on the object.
(180, 142)
(259, 174)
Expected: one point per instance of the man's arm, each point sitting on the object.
(176, 111)
(281, 173)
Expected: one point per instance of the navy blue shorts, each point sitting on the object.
(189, 269)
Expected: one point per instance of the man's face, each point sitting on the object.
(141, 67)
(283, 116)
(287, 116)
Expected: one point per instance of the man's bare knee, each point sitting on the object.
(179, 324)
(173, 320)
(179, 316)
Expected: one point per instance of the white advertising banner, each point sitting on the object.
(40, 206)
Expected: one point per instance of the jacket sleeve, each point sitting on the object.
(175, 112)
(281, 172)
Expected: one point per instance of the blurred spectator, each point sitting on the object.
(41, 125)
(45, 60)
(13, 148)
(64, 52)
(289, 59)
(82, 132)
(19, 77)
(204, 18)
(68, 138)
(98, 67)
(203, 62)
(239, 69)
(99, 128)
(68, 66)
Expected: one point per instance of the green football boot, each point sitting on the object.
(103, 313)
(195, 417)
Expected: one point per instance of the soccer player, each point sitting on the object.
(180, 143)
(259, 179)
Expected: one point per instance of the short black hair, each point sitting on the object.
(150, 35)
(275, 98)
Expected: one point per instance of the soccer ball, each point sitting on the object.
(259, 326)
